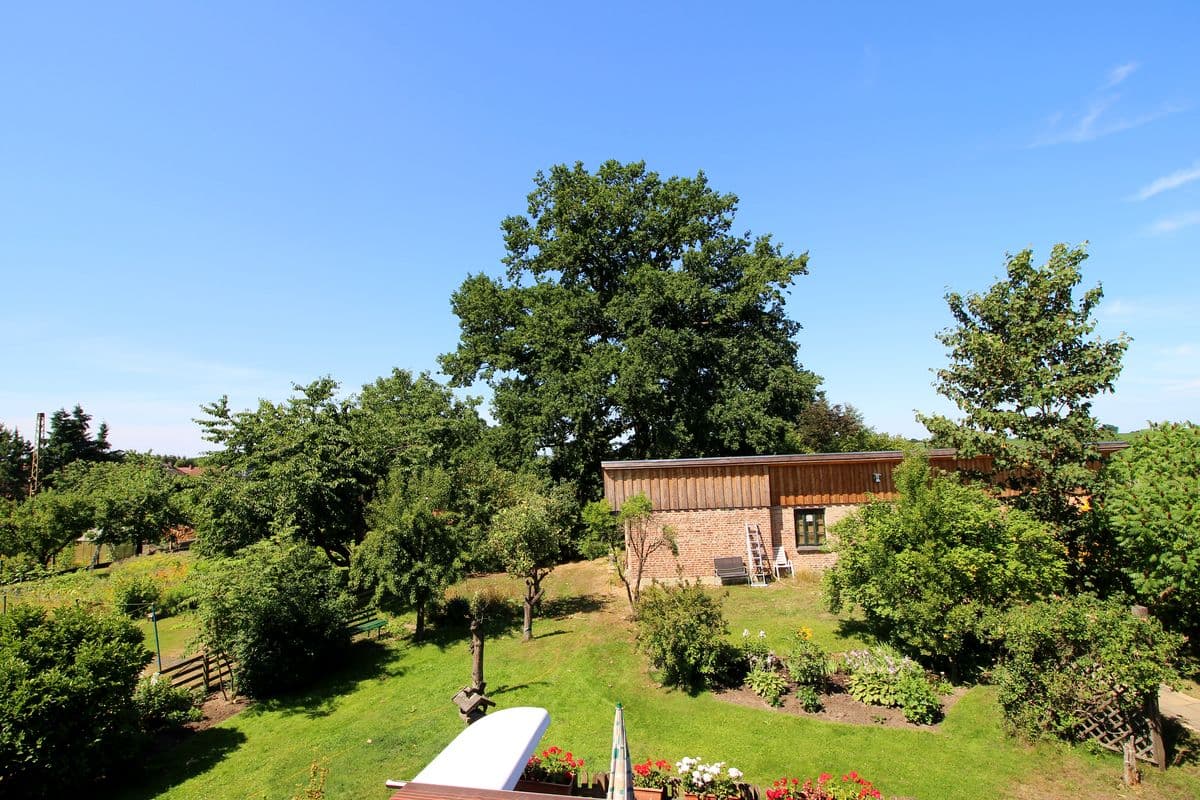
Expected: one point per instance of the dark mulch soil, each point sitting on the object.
(840, 706)
(217, 709)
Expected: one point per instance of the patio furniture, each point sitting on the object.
(782, 562)
(731, 568)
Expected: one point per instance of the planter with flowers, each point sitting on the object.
(698, 780)
(651, 779)
(552, 771)
(850, 787)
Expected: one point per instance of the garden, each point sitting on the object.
(383, 710)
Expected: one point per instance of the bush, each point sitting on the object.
(279, 610)
(682, 631)
(808, 698)
(133, 596)
(880, 677)
(767, 684)
(806, 663)
(160, 705)
(177, 599)
(65, 684)
(927, 569)
(1057, 656)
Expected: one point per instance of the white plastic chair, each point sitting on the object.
(781, 562)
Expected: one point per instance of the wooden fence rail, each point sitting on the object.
(203, 671)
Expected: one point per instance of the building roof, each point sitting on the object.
(1105, 448)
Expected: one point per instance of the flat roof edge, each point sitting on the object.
(800, 458)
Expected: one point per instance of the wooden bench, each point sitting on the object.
(731, 568)
(366, 621)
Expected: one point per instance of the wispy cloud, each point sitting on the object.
(1119, 73)
(1175, 223)
(1099, 117)
(1168, 182)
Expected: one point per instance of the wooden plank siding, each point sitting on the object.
(816, 479)
(683, 489)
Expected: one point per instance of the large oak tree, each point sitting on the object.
(632, 322)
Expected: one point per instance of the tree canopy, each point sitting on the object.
(927, 569)
(631, 323)
(70, 439)
(1152, 500)
(15, 452)
(1024, 369)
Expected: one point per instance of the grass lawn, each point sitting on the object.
(388, 712)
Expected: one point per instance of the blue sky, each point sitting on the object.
(226, 198)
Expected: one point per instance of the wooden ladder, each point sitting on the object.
(758, 558)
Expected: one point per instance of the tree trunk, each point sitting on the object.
(527, 627)
(477, 657)
(419, 631)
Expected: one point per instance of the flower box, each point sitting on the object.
(543, 787)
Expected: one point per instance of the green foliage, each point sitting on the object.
(1058, 656)
(69, 439)
(44, 524)
(682, 631)
(1024, 368)
(806, 663)
(632, 323)
(15, 454)
(529, 537)
(413, 550)
(825, 428)
(133, 596)
(808, 698)
(755, 651)
(161, 706)
(927, 569)
(65, 684)
(1152, 500)
(767, 684)
(880, 677)
(278, 610)
(136, 500)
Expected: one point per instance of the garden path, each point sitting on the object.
(1183, 707)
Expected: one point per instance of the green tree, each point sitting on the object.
(136, 500)
(1024, 368)
(629, 533)
(529, 537)
(927, 569)
(278, 610)
(1152, 500)
(682, 630)
(70, 440)
(66, 687)
(412, 551)
(632, 323)
(825, 428)
(43, 525)
(301, 457)
(15, 453)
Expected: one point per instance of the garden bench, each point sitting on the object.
(731, 568)
(366, 621)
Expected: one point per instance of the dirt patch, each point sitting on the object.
(217, 709)
(840, 706)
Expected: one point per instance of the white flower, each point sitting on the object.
(762, 634)
(708, 777)
(735, 773)
(745, 632)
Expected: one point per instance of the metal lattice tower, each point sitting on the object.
(35, 462)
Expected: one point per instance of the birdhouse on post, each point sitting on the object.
(471, 704)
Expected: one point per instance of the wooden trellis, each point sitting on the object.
(1107, 722)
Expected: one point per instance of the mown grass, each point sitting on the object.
(388, 712)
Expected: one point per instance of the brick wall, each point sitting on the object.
(711, 533)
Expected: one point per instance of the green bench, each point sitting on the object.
(366, 621)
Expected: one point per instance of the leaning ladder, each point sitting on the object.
(757, 556)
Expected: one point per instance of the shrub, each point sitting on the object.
(279, 610)
(177, 599)
(133, 596)
(65, 684)
(806, 662)
(767, 684)
(160, 705)
(808, 698)
(927, 569)
(755, 651)
(880, 677)
(1057, 656)
(682, 631)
